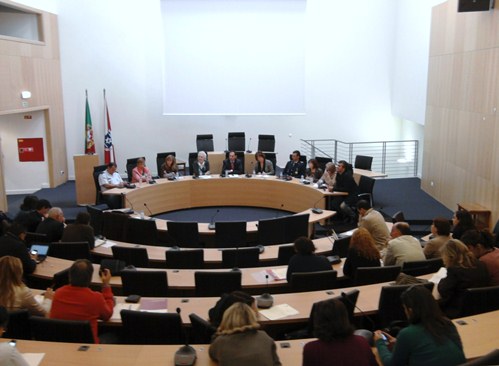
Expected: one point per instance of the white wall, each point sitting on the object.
(23, 177)
(113, 44)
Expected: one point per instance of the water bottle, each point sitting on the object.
(301, 178)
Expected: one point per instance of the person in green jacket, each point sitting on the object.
(430, 339)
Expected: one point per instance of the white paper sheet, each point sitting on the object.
(123, 306)
(279, 312)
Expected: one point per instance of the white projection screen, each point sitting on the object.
(233, 57)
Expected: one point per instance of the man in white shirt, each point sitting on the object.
(373, 221)
(403, 247)
(110, 179)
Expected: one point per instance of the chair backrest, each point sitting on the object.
(216, 283)
(204, 142)
(60, 279)
(114, 225)
(323, 161)
(398, 217)
(130, 165)
(57, 330)
(201, 330)
(313, 281)
(69, 250)
(285, 253)
(141, 327)
(272, 231)
(295, 226)
(479, 300)
(140, 231)
(363, 162)
(236, 141)
(230, 234)
(95, 213)
(496, 233)
(18, 326)
(370, 275)
(273, 159)
(340, 246)
(266, 143)
(160, 159)
(145, 283)
(33, 238)
(131, 256)
(98, 171)
(184, 234)
(419, 268)
(241, 258)
(390, 305)
(185, 259)
(366, 185)
(491, 358)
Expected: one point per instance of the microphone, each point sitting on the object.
(345, 297)
(148, 209)
(185, 355)
(265, 300)
(130, 203)
(317, 210)
(211, 225)
(249, 143)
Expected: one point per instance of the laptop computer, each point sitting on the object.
(41, 251)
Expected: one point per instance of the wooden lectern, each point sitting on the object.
(84, 179)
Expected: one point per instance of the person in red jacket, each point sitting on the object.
(77, 301)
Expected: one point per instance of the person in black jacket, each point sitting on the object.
(305, 260)
(13, 244)
(53, 225)
(80, 231)
(345, 183)
(32, 219)
(232, 165)
(295, 167)
(362, 252)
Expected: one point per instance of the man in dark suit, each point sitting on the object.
(345, 183)
(233, 165)
(12, 243)
(53, 225)
(295, 167)
(80, 230)
(32, 219)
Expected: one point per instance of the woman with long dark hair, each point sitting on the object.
(431, 339)
(462, 222)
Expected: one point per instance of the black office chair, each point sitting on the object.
(35, 238)
(204, 142)
(302, 158)
(130, 165)
(340, 247)
(19, 325)
(184, 234)
(496, 233)
(370, 275)
(273, 159)
(60, 279)
(57, 330)
(69, 250)
(398, 217)
(272, 231)
(241, 258)
(313, 281)
(145, 283)
(185, 259)
(95, 213)
(285, 253)
(160, 159)
(137, 257)
(230, 234)
(419, 268)
(491, 358)
(211, 284)
(363, 162)
(479, 300)
(139, 231)
(323, 161)
(141, 327)
(295, 226)
(366, 187)
(236, 141)
(114, 225)
(98, 192)
(266, 143)
(201, 330)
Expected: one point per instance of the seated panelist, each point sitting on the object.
(232, 165)
(295, 167)
(141, 173)
(202, 165)
(263, 166)
(169, 168)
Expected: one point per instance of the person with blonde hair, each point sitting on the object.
(463, 271)
(239, 342)
(169, 168)
(202, 165)
(362, 252)
(14, 294)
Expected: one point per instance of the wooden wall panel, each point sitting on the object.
(461, 152)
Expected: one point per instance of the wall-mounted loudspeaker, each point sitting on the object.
(475, 5)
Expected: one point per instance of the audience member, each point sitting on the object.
(77, 301)
(345, 183)
(463, 271)
(232, 165)
(28, 205)
(216, 313)
(141, 173)
(12, 243)
(14, 294)
(402, 247)
(305, 260)
(110, 179)
(313, 171)
(462, 222)
(9, 356)
(430, 339)
(169, 168)
(329, 176)
(263, 166)
(362, 252)
(238, 342)
(80, 231)
(31, 220)
(295, 167)
(440, 230)
(373, 221)
(336, 344)
(481, 244)
(202, 165)
(53, 225)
